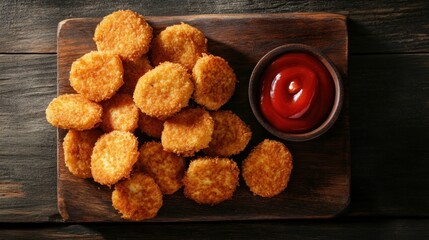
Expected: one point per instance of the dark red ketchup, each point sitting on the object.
(297, 93)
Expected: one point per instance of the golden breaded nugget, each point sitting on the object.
(97, 75)
(179, 43)
(166, 168)
(211, 180)
(137, 198)
(120, 113)
(214, 81)
(73, 111)
(125, 33)
(187, 132)
(151, 126)
(113, 157)
(230, 136)
(267, 169)
(78, 147)
(164, 90)
(133, 70)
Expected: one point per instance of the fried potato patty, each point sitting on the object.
(113, 157)
(214, 81)
(97, 75)
(164, 90)
(125, 33)
(151, 126)
(165, 167)
(133, 70)
(120, 113)
(73, 111)
(187, 132)
(137, 198)
(267, 169)
(179, 43)
(211, 180)
(77, 148)
(230, 136)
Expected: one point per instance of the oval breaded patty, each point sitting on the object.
(230, 136)
(77, 148)
(164, 90)
(113, 157)
(97, 75)
(151, 126)
(165, 167)
(120, 113)
(137, 198)
(214, 81)
(211, 180)
(125, 33)
(73, 111)
(133, 70)
(180, 43)
(187, 132)
(267, 169)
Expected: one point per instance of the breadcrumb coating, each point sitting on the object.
(180, 43)
(78, 147)
(151, 126)
(230, 136)
(164, 90)
(113, 157)
(165, 167)
(137, 198)
(267, 169)
(120, 113)
(211, 180)
(97, 75)
(214, 81)
(187, 132)
(133, 70)
(73, 111)
(125, 33)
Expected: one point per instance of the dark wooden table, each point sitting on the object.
(389, 122)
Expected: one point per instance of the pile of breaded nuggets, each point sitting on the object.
(119, 91)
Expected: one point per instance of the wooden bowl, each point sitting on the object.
(255, 86)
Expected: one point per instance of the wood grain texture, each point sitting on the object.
(299, 230)
(27, 141)
(375, 26)
(319, 187)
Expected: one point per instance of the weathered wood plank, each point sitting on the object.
(389, 134)
(345, 229)
(374, 26)
(27, 141)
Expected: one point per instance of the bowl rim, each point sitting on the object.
(256, 81)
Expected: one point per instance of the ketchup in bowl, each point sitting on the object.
(297, 92)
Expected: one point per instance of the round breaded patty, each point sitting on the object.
(113, 157)
(267, 169)
(120, 113)
(179, 43)
(214, 81)
(73, 111)
(165, 167)
(164, 90)
(133, 70)
(151, 126)
(230, 136)
(211, 180)
(97, 75)
(187, 132)
(125, 33)
(137, 198)
(77, 148)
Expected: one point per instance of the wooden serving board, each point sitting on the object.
(320, 182)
